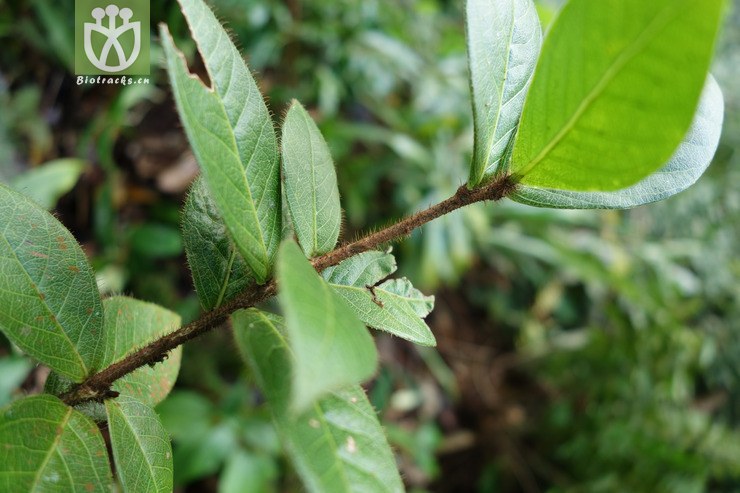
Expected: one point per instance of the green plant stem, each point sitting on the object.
(97, 387)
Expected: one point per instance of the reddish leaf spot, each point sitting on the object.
(89, 487)
(74, 269)
(61, 243)
(39, 255)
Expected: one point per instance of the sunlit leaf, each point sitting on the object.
(614, 92)
(688, 163)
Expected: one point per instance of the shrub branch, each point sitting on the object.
(97, 387)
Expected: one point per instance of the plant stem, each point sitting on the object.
(97, 387)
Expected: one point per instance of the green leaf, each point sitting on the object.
(219, 272)
(337, 444)
(333, 349)
(614, 92)
(504, 40)
(49, 302)
(13, 371)
(232, 137)
(394, 306)
(129, 325)
(47, 446)
(141, 446)
(156, 241)
(48, 183)
(688, 163)
(310, 183)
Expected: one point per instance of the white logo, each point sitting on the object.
(112, 32)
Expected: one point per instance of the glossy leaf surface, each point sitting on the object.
(688, 163)
(614, 92)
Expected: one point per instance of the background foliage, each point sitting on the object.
(578, 351)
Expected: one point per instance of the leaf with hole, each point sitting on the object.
(337, 444)
(47, 446)
(310, 183)
(332, 348)
(614, 92)
(504, 39)
(141, 446)
(688, 163)
(49, 302)
(232, 136)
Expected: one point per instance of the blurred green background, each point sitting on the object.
(578, 351)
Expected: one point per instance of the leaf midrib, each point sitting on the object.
(46, 306)
(627, 55)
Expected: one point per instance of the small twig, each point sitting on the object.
(97, 387)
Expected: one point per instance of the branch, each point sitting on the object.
(97, 387)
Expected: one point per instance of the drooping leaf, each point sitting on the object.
(688, 163)
(332, 348)
(49, 302)
(504, 39)
(141, 447)
(232, 138)
(47, 446)
(614, 92)
(219, 272)
(48, 183)
(394, 306)
(337, 444)
(310, 183)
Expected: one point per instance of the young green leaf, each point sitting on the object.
(504, 39)
(49, 302)
(243, 183)
(332, 348)
(688, 163)
(141, 447)
(47, 446)
(614, 92)
(219, 272)
(337, 444)
(310, 183)
(394, 306)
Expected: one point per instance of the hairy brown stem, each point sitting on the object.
(98, 386)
